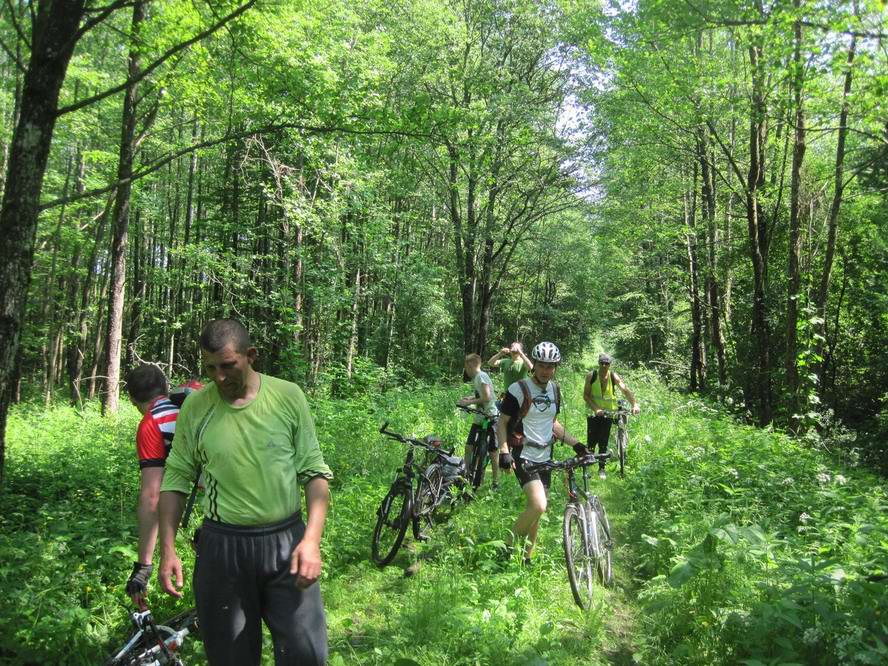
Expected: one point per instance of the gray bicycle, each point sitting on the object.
(588, 543)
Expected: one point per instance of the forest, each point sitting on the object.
(697, 187)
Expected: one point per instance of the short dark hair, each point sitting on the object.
(146, 382)
(219, 333)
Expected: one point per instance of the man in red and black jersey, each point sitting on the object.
(148, 391)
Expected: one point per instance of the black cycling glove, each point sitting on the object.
(505, 461)
(580, 450)
(138, 580)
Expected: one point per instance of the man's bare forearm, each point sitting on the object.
(169, 510)
(317, 499)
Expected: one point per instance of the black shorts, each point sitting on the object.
(543, 475)
(475, 432)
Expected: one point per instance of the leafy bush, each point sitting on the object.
(753, 548)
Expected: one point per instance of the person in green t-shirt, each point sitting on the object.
(485, 400)
(513, 363)
(253, 438)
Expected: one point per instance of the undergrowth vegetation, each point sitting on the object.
(732, 544)
(753, 548)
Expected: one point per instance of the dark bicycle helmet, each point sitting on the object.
(546, 352)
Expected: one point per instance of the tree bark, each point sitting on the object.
(698, 353)
(833, 227)
(795, 243)
(757, 228)
(53, 38)
(713, 293)
(116, 294)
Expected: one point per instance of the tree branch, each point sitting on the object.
(157, 63)
(209, 143)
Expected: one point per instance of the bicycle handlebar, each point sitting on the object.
(413, 441)
(569, 463)
(475, 410)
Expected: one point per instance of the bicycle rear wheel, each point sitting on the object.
(429, 495)
(576, 555)
(391, 525)
(603, 541)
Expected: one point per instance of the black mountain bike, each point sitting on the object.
(153, 644)
(417, 491)
(620, 416)
(588, 544)
(477, 464)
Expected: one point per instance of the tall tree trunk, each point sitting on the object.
(121, 222)
(698, 354)
(53, 37)
(833, 226)
(50, 302)
(464, 251)
(757, 227)
(795, 238)
(713, 295)
(139, 279)
(353, 327)
(98, 336)
(77, 352)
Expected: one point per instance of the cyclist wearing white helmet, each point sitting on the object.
(535, 403)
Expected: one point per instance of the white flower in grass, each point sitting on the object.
(804, 518)
(788, 481)
(733, 472)
(647, 439)
(841, 480)
(823, 478)
(811, 636)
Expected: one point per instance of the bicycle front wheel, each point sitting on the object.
(391, 524)
(479, 462)
(622, 446)
(576, 554)
(604, 543)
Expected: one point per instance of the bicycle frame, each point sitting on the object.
(590, 513)
(475, 466)
(163, 642)
(409, 472)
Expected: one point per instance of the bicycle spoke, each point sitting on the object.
(576, 553)
(391, 525)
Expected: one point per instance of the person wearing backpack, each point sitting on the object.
(148, 391)
(534, 403)
(599, 395)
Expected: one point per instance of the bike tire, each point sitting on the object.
(429, 495)
(604, 543)
(576, 554)
(391, 524)
(622, 446)
(479, 462)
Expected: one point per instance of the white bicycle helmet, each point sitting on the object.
(546, 352)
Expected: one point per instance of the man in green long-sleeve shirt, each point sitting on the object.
(254, 440)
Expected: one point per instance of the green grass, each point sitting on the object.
(713, 563)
